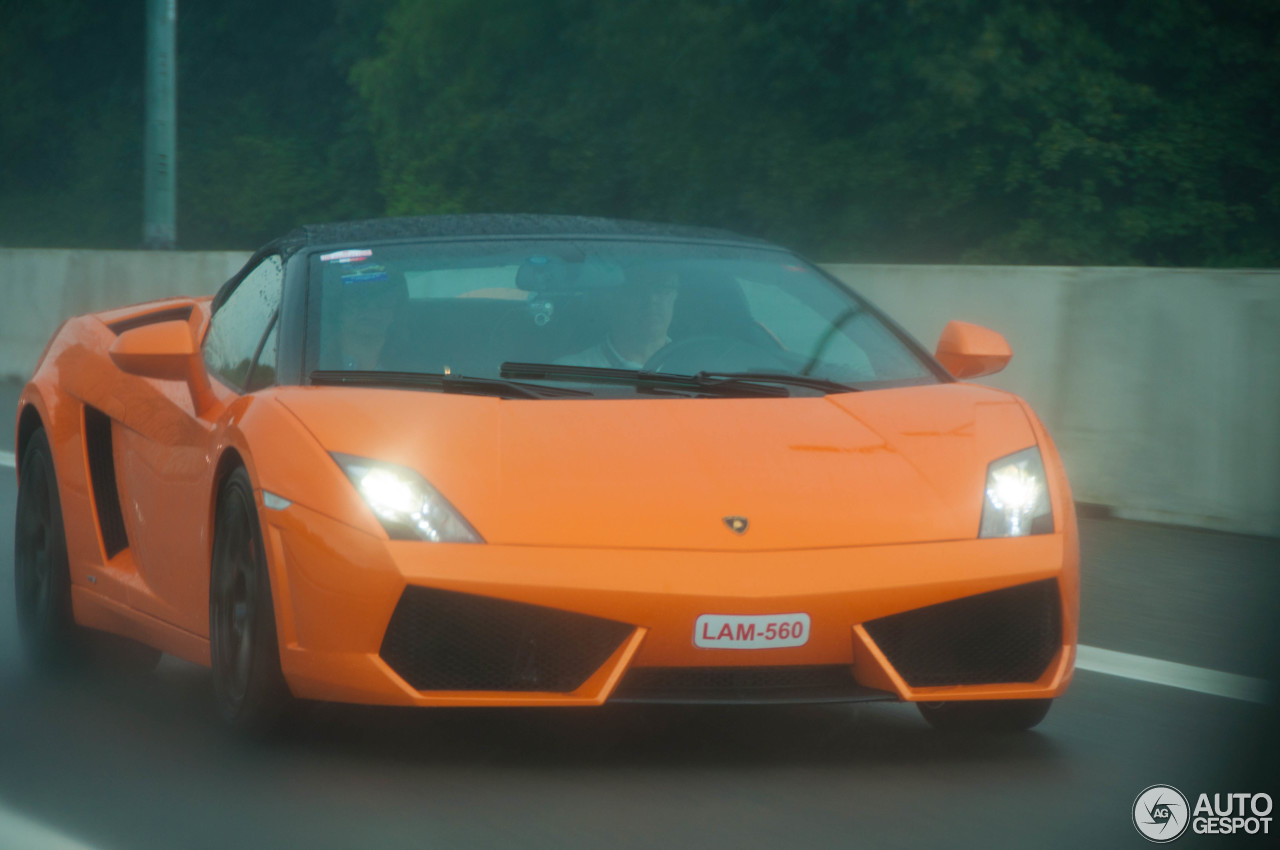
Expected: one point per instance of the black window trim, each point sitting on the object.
(292, 320)
(915, 346)
(224, 294)
(257, 355)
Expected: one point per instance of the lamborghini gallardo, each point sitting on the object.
(544, 461)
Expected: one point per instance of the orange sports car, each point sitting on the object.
(528, 460)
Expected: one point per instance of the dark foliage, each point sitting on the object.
(877, 130)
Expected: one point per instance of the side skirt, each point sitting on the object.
(95, 612)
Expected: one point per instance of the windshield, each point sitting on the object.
(465, 309)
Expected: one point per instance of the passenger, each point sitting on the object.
(639, 317)
(369, 301)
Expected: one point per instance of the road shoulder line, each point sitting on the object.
(1173, 674)
(17, 830)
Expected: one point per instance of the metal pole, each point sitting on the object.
(160, 155)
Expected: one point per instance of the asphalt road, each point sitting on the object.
(146, 763)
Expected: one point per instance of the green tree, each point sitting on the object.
(270, 133)
(881, 130)
(952, 130)
(67, 174)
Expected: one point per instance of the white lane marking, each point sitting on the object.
(6, 459)
(1174, 675)
(20, 831)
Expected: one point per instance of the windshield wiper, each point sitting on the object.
(648, 382)
(826, 385)
(463, 384)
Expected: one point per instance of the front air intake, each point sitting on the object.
(440, 640)
(1007, 635)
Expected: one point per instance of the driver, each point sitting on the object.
(639, 317)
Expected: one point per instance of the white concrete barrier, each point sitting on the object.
(39, 289)
(1160, 386)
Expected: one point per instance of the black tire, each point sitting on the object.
(1010, 715)
(41, 576)
(247, 681)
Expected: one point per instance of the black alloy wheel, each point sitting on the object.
(41, 576)
(1008, 715)
(247, 680)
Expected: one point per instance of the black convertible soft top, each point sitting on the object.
(471, 226)
(446, 226)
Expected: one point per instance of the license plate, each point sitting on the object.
(766, 631)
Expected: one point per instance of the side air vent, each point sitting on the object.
(102, 477)
(169, 314)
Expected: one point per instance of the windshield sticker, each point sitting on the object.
(351, 255)
(369, 274)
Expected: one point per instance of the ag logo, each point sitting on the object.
(737, 524)
(1161, 814)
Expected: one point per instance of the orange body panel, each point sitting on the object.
(331, 635)
(861, 505)
(855, 469)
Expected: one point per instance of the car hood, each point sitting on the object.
(885, 466)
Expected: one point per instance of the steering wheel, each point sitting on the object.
(711, 354)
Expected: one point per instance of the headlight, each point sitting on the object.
(407, 506)
(1016, 502)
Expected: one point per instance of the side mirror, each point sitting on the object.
(163, 350)
(971, 351)
(169, 351)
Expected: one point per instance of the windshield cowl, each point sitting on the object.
(771, 385)
(463, 384)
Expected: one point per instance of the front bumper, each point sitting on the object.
(520, 625)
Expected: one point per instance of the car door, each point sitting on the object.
(167, 483)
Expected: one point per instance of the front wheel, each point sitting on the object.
(245, 652)
(42, 582)
(1009, 715)
(41, 576)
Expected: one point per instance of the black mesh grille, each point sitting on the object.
(827, 683)
(1007, 635)
(439, 640)
(102, 475)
